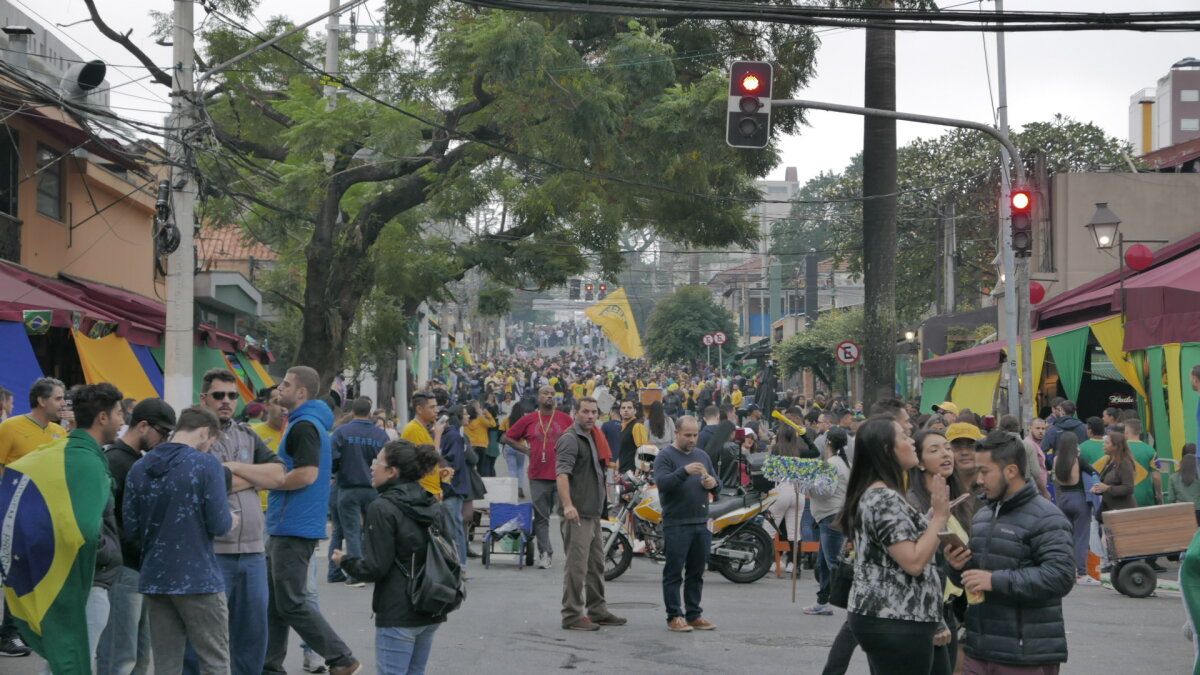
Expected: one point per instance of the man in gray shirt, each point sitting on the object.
(580, 478)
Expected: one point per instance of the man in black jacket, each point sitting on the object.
(1021, 560)
(1064, 422)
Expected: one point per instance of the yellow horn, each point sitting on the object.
(779, 416)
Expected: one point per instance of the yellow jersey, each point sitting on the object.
(21, 435)
(271, 437)
(416, 433)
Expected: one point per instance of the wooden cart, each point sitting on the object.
(1134, 535)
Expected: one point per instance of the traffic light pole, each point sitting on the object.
(1021, 279)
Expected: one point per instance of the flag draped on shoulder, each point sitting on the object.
(50, 519)
(614, 316)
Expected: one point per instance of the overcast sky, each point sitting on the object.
(1086, 75)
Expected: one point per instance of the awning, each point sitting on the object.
(976, 392)
(111, 359)
(18, 365)
(22, 290)
(255, 371)
(982, 358)
(934, 391)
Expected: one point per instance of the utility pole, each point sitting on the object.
(949, 258)
(181, 265)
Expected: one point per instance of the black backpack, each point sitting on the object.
(438, 586)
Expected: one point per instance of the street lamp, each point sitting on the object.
(909, 336)
(1105, 228)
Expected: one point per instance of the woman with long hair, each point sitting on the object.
(1117, 479)
(397, 528)
(1184, 486)
(824, 509)
(661, 427)
(1070, 468)
(896, 599)
(788, 502)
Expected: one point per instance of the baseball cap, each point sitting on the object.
(963, 430)
(255, 409)
(946, 406)
(753, 407)
(156, 411)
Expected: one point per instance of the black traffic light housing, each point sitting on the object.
(588, 292)
(573, 292)
(748, 122)
(603, 291)
(1020, 201)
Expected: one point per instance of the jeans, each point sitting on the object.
(487, 465)
(542, 493)
(832, 541)
(403, 651)
(458, 535)
(895, 646)
(288, 607)
(808, 524)
(246, 595)
(687, 557)
(201, 619)
(125, 643)
(516, 462)
(352, 512)
(336, 540)
(1075, 507)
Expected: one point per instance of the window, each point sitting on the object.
(10, 165)
(1189, 124)
(50, 183)
(1189, 95)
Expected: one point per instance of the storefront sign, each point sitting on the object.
(1120, 399)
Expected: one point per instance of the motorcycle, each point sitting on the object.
(741, 549)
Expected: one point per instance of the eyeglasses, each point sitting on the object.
(222, 395)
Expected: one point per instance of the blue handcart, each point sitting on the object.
(511, 527)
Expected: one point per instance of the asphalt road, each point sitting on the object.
(510, 624)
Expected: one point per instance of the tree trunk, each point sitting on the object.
(879, 218)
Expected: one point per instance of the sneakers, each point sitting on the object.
(788, 569)
(346, 670)
(701, 623)
(543, 562)
(1087, 580)
(14, 646)
(819, 610)
(610, 620)
(355, 583)
(679, 625)
(581, 624)
(313, 663)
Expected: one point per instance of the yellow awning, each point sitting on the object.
(1111, 336)
(111, 359)
(977, 392)
(1175, 399)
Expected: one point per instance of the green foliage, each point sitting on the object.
(679, 323)
(494, 301)
(814, 347)
(960, 167)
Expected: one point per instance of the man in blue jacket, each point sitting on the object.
(174, 505)
(355, 446)
(296, 515)
(684, 475)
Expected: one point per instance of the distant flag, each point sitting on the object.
(614, 316)
(37, 321)
(49, 532)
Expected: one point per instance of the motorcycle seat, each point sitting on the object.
(724, 505)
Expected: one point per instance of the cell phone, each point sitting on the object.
(443, 419)
(952, 539)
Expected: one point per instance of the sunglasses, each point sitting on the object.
(222, 395)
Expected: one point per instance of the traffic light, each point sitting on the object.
(588, 294)
(573, 292)
(603, 291)
(1021, 206)
(748, 124)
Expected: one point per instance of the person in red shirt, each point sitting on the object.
(535, 435)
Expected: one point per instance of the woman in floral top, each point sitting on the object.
(895, 602)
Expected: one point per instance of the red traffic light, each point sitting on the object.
(1021, 200)
(603, 287)
(590, 288)
(750, 83)
(750, 78)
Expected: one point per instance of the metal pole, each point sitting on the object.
(1012, 285)
(177, 370)
(401, 411)
(950, 254)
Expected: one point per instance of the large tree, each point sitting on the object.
(580, 126)
(679, 324)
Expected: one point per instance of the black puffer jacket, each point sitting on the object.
(395, 532)
(1026, 542)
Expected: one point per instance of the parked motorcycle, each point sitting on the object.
(741, 548)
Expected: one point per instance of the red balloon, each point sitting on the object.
(1139, 257)
(1037, 292)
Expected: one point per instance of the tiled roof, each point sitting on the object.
(230, 242)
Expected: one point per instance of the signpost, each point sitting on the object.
(848, 353)
(719, 337)
(708, 340)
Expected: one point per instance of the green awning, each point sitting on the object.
(934, 391)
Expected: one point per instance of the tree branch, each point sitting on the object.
(159, 75)
(288, 299)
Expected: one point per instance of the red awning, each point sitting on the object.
(23, 290)
(984, 358)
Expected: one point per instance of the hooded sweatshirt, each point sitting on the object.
(174, 506)
(303, 512)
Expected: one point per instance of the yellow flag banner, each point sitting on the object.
(614, 316)
(1111, 336)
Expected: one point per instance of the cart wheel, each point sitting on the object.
(1138, 579)
(1114, 578)
(486, 551)
(527, 550)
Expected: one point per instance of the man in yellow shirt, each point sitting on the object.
(425, 409)
(736, 396)
(21, 435)
(271, 431)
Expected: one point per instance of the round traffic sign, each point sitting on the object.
(848, 352)
(708, 340)
(719, 337)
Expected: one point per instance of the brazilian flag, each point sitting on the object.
(49, 533)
